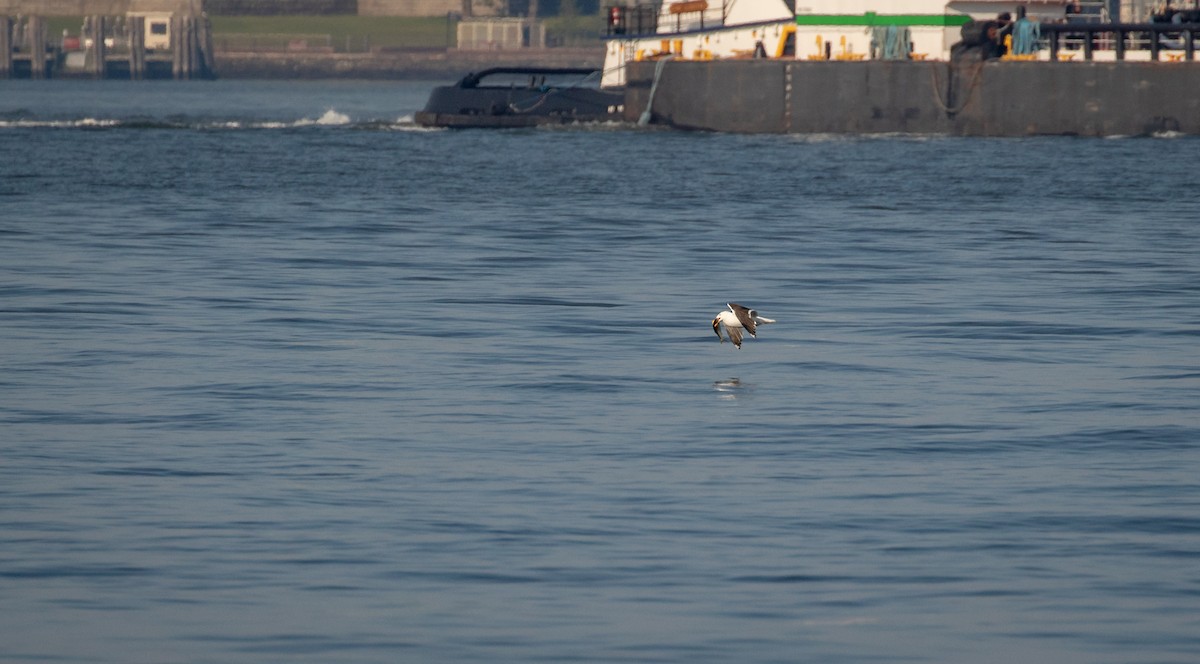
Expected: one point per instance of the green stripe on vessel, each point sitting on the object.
(871, 18)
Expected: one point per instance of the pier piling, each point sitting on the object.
(118, 36)
(137, 47)
(98, 54)
(6, 47)
(37, 47)
(181, 43)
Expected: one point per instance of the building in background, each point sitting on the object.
(500, 34)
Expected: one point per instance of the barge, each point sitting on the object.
(957, 67)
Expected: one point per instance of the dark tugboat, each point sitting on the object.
(522, 97)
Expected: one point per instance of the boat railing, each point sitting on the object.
(533, 78)
(631, 21)
(647, 19)
(1122, 37)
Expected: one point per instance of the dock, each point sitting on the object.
(124, 39)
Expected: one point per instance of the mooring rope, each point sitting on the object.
(658, 69)
(542, 97)
(977, 69)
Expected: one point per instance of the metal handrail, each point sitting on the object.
(642, 20)
(1120, 34)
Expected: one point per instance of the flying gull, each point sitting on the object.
(737, 320)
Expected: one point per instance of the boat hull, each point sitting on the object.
(994, 98)
(474, 102)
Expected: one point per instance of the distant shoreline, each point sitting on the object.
(393, 65)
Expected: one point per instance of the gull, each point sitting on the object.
(734, 321)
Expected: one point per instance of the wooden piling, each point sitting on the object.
(6, 52)
(207, 58)
(189, 47)
(137, 47)
(37, 47)
(177, 47)
(99, 52)
(193, 41)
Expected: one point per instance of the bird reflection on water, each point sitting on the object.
(731, 388)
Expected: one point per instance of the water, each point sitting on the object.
(285, 378)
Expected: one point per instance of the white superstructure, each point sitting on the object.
(814, 30)
(694, 29)
(932, 27)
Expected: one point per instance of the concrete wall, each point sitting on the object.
(994, 99)
(441, 65)
(279, 7)
(95, 7)
(409, 7)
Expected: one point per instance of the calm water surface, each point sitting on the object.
(284, 378)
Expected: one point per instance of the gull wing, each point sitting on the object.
(735, 335)
(745, 317)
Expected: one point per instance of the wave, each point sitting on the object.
(331, 118)
(58, 124)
